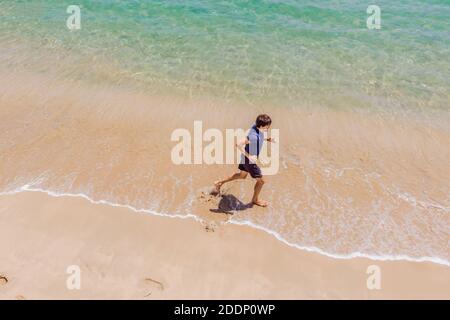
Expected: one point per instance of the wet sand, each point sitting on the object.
(347, 182)
(124, 254)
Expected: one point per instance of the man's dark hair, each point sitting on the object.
(263, 120)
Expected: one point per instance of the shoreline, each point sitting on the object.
(349, 167)
(196, 218)
(126, 255)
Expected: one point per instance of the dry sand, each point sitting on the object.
(127, 255)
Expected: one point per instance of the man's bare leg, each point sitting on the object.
(236, 176)
(258, 186)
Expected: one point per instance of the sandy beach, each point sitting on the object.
(123, 254)
(342, 187)
(347, 182)
(91, 186)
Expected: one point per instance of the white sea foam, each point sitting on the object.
(437, 260)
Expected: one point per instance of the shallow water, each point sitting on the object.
(285, 52)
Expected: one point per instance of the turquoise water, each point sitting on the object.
(282, 52)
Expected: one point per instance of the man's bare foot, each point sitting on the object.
(260, 203)
(216, 189)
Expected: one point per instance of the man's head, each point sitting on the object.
(263, 122)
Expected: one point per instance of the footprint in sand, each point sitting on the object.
(210, 226)
(205, 196)
(3, 280)
(151, 285)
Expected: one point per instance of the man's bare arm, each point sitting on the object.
(240, 147)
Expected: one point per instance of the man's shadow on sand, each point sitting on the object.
(229, 203)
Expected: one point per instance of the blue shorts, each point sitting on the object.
(251, 168)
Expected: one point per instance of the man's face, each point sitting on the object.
(265, 128)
